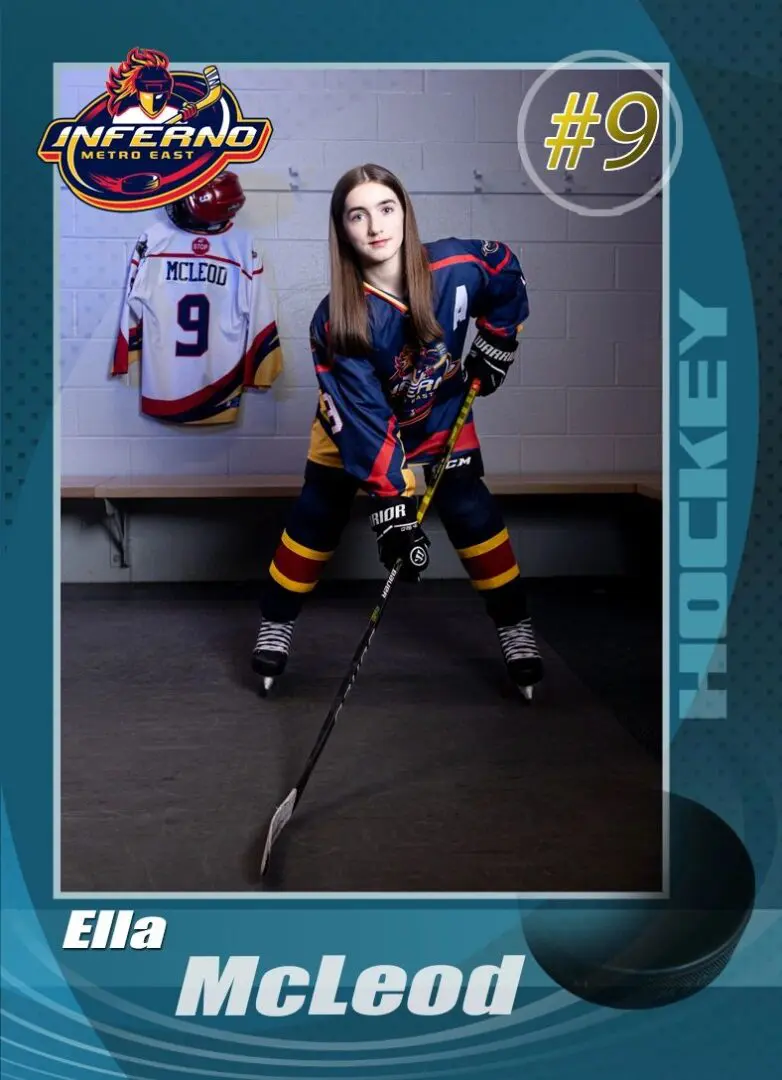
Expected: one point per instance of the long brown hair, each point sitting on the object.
(348, 317)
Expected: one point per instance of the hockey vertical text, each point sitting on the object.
(703, 534)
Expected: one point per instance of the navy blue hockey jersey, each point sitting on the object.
(379, 414)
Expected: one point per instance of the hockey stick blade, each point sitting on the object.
(213, 93)
(280, 819)
(285, 810)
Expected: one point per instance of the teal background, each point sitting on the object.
(113, 1013)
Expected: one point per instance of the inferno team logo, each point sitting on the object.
(154, 137)
(417, 374)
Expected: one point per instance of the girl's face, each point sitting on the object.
(374, 223)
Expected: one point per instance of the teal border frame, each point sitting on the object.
(68, 1016)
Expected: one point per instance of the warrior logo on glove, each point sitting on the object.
(154, 137)
(489, 360)
(419, 557)
(399, 535)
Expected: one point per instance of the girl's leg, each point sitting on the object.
(310, 538)
(474, 523)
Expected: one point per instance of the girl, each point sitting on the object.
(387, 343)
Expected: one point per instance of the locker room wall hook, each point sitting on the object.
(477, 180)
(294, 178)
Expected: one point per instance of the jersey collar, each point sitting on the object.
(388, 297)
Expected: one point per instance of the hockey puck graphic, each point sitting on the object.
(139, 183)
(646, 953)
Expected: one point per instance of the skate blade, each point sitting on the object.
(526, 692)
(267, 685)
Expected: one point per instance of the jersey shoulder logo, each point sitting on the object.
(200, 245)
(154, 137)
(488, 247)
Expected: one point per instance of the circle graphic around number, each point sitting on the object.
(575, 61)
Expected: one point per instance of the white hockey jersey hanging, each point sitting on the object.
(199, 319)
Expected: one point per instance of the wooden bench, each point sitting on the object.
(651, 488)
(274, 486)
(115, 490)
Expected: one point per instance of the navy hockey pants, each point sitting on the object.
(468, 511)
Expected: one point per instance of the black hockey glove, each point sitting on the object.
(399, 536)
(489, 360)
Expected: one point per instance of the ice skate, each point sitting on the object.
(270, 655)
(522, 658)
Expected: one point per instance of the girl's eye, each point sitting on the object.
(388, 209)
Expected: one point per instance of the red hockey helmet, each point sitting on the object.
(211, 207)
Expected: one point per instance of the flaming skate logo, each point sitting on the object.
(416, 378)
(155, 136)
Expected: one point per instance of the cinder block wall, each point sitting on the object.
(585, 394)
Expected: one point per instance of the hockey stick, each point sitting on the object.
(213, 92)
(284, 811)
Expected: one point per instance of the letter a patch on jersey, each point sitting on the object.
(460, 305)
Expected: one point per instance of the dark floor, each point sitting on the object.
(438, 777)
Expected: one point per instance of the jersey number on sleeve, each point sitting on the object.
(193, 315)
(331, 413)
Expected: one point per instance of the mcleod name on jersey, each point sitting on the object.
(380, 413)
(198, 317)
